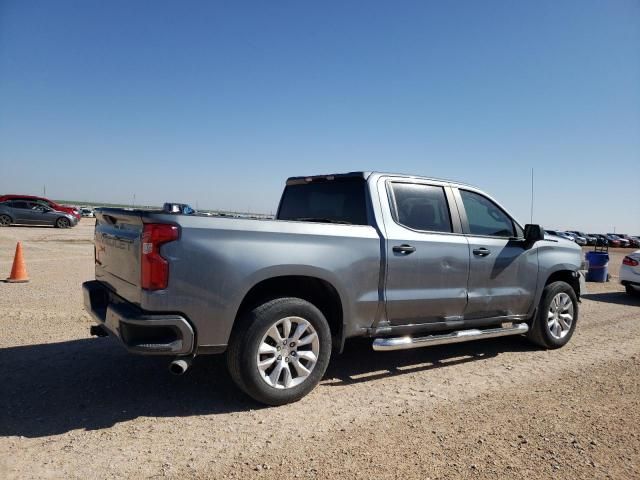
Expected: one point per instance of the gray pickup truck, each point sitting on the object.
(404, 260)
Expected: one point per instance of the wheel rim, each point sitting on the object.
(63, 222)
(4, 220)
(560, 315)
(288, 353)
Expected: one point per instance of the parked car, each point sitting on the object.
(601, 240)
(44, 201)
(590, 239)
(630, 273)
(616, 241)
(183, 208)
(24, 212)
(579, 239)
(633, 242)
(405, 261)
(87, 212)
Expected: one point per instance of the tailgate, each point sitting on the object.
(117, 251)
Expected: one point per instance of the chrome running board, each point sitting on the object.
(407, 342)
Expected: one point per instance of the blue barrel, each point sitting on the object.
(598, 266)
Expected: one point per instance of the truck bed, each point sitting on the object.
(216, 261)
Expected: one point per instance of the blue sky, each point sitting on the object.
(216, 103)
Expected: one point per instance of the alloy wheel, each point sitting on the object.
(560, 315)
(288, 352)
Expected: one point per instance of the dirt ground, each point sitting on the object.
(81, 407)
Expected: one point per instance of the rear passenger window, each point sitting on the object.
(485, 217)
(19, 204)
(421, 207)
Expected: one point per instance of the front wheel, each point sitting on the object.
(280, 350)
(557, 316)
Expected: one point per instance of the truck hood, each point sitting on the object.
(564, 242)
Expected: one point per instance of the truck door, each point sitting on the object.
(427, 256)
(503, 271)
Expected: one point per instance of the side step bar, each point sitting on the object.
(407, 342)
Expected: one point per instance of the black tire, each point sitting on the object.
(63, 222)
(247, 336)
(540, 333)
(5, 220)
(631, 291)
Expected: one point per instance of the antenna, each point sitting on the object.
(531, 220)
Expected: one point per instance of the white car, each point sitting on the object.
(630, 273)
(87, 212)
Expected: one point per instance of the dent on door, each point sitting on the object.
(503, 281)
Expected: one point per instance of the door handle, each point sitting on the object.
(481, 252)
(404, 248)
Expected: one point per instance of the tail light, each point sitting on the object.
(632, 262)
(154, 268)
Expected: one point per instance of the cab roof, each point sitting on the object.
(365, 175)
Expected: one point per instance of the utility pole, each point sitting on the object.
(133, 204)
(44, 191)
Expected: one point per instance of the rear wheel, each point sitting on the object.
(631, 291)
(280, 350)
(5, 220)
(63, 222)
(557, 316)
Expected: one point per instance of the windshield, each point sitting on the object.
(342, 200)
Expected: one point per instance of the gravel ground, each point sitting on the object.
(80, 407)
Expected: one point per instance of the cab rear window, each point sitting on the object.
(331, 201)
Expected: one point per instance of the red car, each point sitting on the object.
(46, 201)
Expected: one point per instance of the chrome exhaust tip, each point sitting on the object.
(180, 365)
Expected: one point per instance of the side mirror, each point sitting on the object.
(533, 233)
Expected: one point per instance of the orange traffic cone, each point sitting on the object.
(19, 269)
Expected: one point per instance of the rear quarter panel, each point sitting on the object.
(217, 261)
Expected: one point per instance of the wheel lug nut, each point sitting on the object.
(278, 348)
(286, 359)
(293, 344)
(279, 357)
(293, 354)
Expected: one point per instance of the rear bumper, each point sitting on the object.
(629, 277)
(139, 331)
